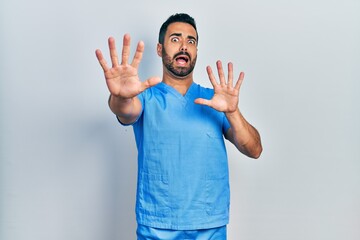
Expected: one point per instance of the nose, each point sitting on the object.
(183, 47)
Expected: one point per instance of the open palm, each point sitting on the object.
(122, 79)
(226, 96)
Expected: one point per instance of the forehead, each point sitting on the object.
(183, 28)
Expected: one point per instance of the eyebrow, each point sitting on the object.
(180, 34)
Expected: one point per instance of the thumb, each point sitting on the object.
(203, 101)
(150, 82)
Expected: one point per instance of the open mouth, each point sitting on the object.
(182, 59)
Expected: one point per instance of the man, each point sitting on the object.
(179, 127)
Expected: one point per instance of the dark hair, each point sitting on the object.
(178, 17)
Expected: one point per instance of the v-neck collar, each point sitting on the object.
(176, 93)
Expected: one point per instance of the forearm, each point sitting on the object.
(127, 110)
(243, 135)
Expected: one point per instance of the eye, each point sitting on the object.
(175, 39)
(192, 41)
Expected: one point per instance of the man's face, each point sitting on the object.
(179, 51)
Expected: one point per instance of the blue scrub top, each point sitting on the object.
(183, 180)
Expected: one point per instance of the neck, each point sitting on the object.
(180, 84)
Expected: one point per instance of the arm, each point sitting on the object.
(243, 135)
(123, 81)
(226, 98)
(126, 110)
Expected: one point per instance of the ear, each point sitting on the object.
(159, 49)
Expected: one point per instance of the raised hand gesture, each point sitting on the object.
(122, 79)
(226, 99)
(226, 96)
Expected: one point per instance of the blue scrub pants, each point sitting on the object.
(149, 233)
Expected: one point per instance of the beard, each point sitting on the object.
(169, 63)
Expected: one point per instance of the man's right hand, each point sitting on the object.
(122, 79)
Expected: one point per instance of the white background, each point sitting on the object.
(68, 170)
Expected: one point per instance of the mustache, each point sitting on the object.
(182, 53)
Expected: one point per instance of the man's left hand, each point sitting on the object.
(226, 96)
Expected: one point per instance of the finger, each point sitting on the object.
(101, 60)
(220, 72)
(203, 101)
(230, 74)
(126, 49)
(211, 76)
(150, 82)
(240, 80)
(113, 52)
(138, 55)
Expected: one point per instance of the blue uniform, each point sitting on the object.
(146, 233)
(183, 180)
